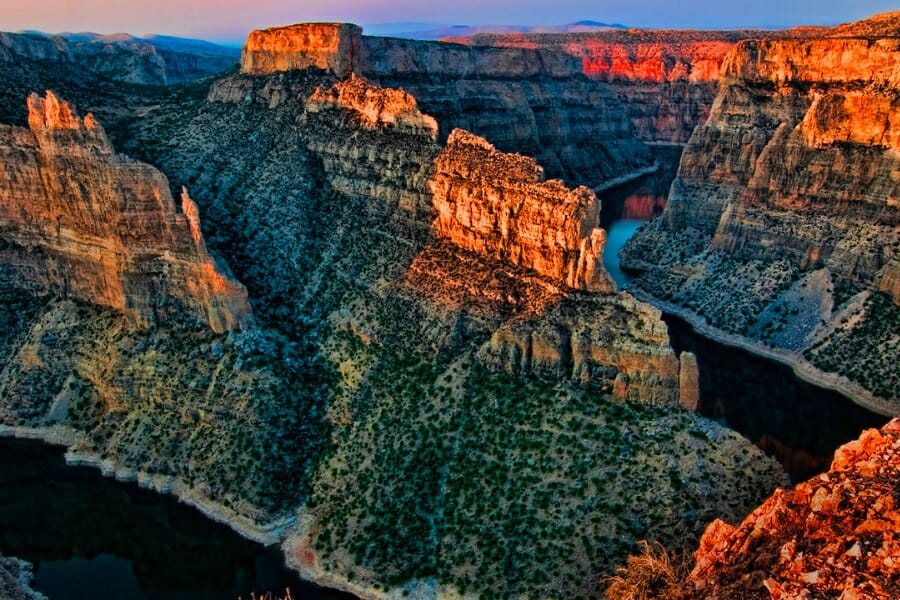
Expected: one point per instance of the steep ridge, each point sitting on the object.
(666, 79)
(522, 100)
(80, 221)
(783, 224)
(327, 214)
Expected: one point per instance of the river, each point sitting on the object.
(91, 537)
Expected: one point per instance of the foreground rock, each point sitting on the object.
(15, 580)
(783, 225)
(82, 222)
(834, 535)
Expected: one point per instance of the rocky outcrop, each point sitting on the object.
(15, 580)
(785, 216)
(499, 205)
(614, 344)
(834, 535)
(332, 47)
(375, 107)
(82, 222)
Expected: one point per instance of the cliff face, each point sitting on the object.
(82, 222)
(666, 80)
(333, 47)
(788, 193)
(523, 100)
(498, 205)
(834, 535)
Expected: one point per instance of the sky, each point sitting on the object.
(230, 20)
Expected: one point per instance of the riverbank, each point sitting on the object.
(263, 533)
(802, 368)
(627, 178)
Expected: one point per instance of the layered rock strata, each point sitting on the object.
(82, 222)
(523, 100)
(832, 536)
(620, 346)
(667, 80)
(784, 222)
(332, 47)
(499, 205)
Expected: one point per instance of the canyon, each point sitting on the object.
(439, 390)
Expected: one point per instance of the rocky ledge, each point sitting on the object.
(835, 535)
(15, 580)
(80, 221)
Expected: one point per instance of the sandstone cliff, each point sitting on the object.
(498, 205)
(783, 223)
(834, 535)
(80, 221)
(523, 100)
(667, 80)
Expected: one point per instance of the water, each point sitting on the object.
(625, 208)
(91, 537)
(799, 424)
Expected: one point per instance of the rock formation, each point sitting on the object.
(618, 345)
(832, 536)
(332, 47)
(376, 107)
(15, 580)
(499, 205)
(80, 221)
(784, 222)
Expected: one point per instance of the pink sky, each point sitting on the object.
(232, 19)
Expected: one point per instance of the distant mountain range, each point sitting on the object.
(426, 31)
(160, 42)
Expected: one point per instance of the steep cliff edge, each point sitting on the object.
(666, 80)
(15, 580)
(79, 221)
(783, 225)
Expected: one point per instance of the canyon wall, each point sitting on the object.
(531, 101)
(784, 222)
(81, 221)
(667, 80)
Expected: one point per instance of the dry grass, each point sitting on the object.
(654, 574)
(270, 596)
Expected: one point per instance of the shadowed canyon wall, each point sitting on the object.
(83, 222)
